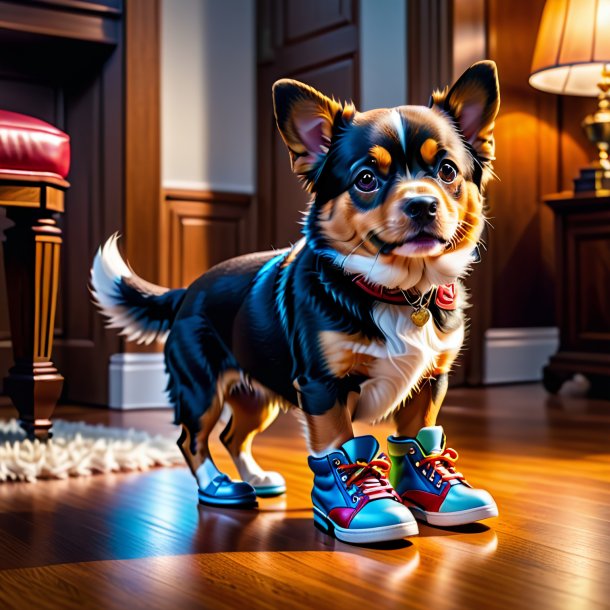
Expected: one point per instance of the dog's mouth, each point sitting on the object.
(422, 242)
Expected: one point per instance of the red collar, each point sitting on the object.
(396, 296)
(445, 296)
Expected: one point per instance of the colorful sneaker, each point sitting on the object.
(352, 497)
(423, 473)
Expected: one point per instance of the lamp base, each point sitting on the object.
(592, 178)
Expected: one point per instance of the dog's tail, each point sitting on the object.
(143, 311)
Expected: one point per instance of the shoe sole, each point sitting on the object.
(363, 536)
(461, 517)
(245, 502)
(270, 491)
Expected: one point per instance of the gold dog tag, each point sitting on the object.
(420, 316)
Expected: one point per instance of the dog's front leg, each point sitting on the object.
(422, 409)
(329, 430)
(352, 498)
(424, 472)
(327, 419)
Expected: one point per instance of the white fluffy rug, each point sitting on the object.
(79, 449)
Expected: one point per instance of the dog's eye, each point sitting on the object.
(366, 181)
(447, 172)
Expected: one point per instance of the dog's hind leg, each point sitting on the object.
(201, 370)
(252, 411)
(195, 448)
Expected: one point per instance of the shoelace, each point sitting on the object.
(444, 464)
(370, 478)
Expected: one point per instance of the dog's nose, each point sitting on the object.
(421, 208)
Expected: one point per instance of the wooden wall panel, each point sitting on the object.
(575, 151)
(444, 38)
(469, 34)
(430, 51)
(540, 148)
(200, 229)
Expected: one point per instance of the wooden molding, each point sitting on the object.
(103, 7)
(143, 139)
(40, 178)
(31, 195)
(36, 18)
(173, 194)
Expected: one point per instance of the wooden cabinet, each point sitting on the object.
(582, 229)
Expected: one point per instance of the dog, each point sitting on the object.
(360, 319)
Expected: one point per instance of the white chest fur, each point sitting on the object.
(408, 353)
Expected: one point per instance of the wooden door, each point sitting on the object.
(315, 42)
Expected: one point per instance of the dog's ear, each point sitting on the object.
(473, 102)
(305, 119)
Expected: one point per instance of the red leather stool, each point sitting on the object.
(34, 162)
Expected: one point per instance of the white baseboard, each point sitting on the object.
(137, 381)
(518, 354)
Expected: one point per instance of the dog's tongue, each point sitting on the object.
(431, 439)
(429, 245)
(361, 449)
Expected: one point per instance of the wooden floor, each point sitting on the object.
(140, 541)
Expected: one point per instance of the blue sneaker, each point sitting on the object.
(224, 492)
(423, 473)
(217, 489)
(352, 497)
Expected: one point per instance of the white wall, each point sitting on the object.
(208, 113)
(208, 71)
(383, 53)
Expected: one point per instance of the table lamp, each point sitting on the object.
(572, 57)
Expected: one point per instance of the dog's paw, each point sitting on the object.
(267, 484)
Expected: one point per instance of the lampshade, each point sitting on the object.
(572, 48)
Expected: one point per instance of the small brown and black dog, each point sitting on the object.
(362, 318)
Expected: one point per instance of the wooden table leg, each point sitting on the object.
(31, 257)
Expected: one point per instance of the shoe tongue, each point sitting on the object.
(431, 439)
(361, 448)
